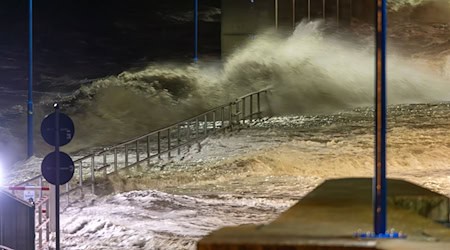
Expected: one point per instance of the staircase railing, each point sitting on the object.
(166, 142)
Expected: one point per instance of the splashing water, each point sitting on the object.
(310, 72)
(313, 72)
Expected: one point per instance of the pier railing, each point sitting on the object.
(167, 143)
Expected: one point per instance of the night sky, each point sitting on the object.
(80, 39)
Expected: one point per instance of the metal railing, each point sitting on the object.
(166, 142)
(42, 210)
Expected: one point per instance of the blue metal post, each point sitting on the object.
(30, 83)
(196, 31)
(379, 184)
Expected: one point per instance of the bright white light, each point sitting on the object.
(1, 174)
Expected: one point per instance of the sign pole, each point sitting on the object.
(30, 82)
(379, 183)
(57, 129)
(57, 164)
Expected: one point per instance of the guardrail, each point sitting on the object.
(167, 142)
(17, 223)
(42, 208)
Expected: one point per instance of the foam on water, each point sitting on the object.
(157, 220)
(310, 71)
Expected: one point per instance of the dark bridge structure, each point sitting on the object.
(241, 19)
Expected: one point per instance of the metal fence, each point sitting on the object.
(17, 223)
(162, 143)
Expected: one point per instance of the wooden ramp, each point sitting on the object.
(329, 216)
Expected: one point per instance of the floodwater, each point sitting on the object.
(323, 128)
(252, 175)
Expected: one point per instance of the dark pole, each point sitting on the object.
(30, 83)
(196, 31)
(379, 184)
(56, 106)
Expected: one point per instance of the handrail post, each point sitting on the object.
(205, 125)
(47, 227)
(230, 114)
(168, 144)
(222, 116)
(80, 173)
(137, 151)
(178, 138)
(243, 110)
(251, 108)
(105, 170)
(197, 128)
(67, 193)
(40, 185)
(115, 159)
(126, 155)
(93, 173)
(214, 121)
(197, 134)
(258, 100)
(39, 208)
(148, 148)
(188, 131)
(238, 119)
(159, 145)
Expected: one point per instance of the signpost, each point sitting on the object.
(57, 129)
(379, 185)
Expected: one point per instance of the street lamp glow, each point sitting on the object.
(1, 173)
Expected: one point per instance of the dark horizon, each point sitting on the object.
(91, 39)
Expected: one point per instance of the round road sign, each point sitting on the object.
(66, 168)
(66, 129)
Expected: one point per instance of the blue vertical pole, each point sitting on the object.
(30, 83)
(196, 31)
(379, 184)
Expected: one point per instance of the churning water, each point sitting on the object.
(312, 71)
(323, 90)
